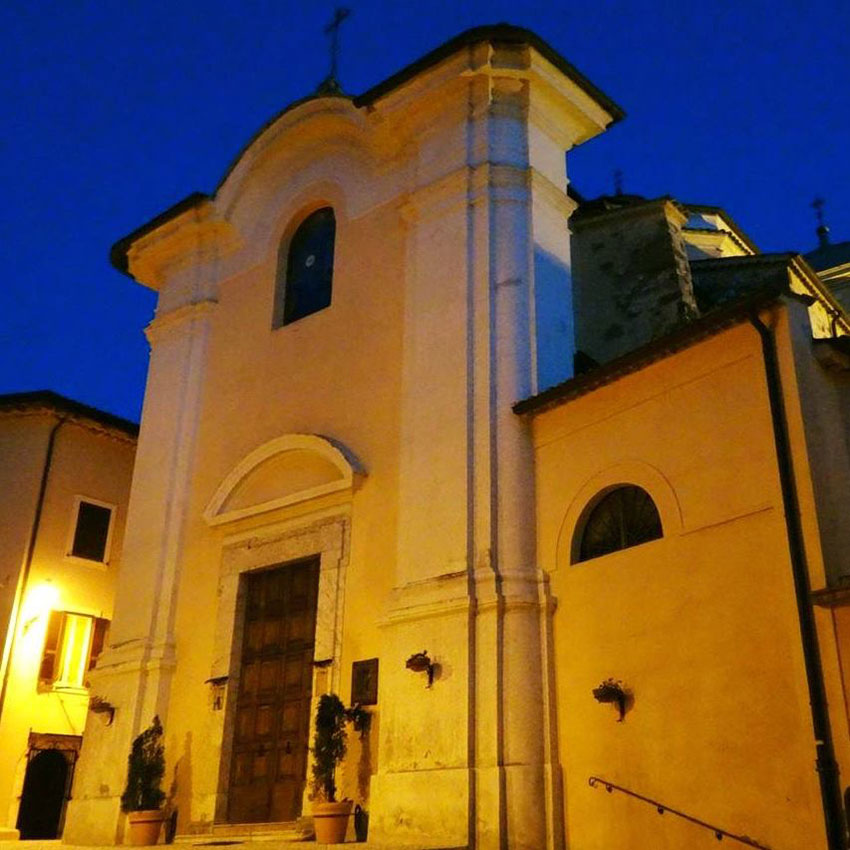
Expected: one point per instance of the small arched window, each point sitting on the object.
(305, 268)
(625, 516)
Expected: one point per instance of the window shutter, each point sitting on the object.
(101, 626)
(47, 671)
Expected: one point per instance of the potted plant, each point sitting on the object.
(613, 691)
(330, 816)
(143, 797)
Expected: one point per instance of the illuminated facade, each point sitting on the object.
(333, 488)
(64, 481)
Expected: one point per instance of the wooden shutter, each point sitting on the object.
(101, 626)
(47, 671)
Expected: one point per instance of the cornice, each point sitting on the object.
(469, 185)
(197, 235)
(163, 325)
(555, 195)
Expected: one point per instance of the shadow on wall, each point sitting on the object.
(180, 793)
(554, 321)
(365, 769)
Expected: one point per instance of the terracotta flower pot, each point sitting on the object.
(144, 826)
(330, 820)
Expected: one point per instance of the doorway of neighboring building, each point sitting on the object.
(47, 784)
(272, 712)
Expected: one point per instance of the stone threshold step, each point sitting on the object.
(240, 845)
(272, 843)
(224, 834)
(223, 839)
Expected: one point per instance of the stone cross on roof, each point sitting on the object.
(823, 230)
(330, 85)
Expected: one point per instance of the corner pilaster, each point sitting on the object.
(134, 673)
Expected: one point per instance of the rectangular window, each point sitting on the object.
(71, 648)
(92, 531)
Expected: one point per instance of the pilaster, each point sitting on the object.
(469, 592)
(134, 673)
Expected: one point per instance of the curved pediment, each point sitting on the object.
(312, 128)
(285, 471)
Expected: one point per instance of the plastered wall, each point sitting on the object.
(86, 462)
(700, 625)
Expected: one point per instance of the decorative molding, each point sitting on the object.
(555, 195)
(168, 322)
(346, 463)
(196, 236)
(635, 472)
(329, 539)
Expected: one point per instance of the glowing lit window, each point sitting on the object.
(71, 648)
(91, 531)
(305, 268)
(625, 516)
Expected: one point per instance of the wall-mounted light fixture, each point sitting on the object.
(39, 601)
(217, 687)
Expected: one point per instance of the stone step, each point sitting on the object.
(312, 845)
(224, 834)
(238, 844)
(281, 836)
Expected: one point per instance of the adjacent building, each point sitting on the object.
(65, 472)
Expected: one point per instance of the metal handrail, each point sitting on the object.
(719, 833)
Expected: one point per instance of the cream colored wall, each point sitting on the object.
(85, 463)
(23, 442)
(335, 373)
(701, 624)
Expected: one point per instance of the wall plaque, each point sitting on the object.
(364, 682)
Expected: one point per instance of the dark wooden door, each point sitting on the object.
(44, 794)
(273, 703)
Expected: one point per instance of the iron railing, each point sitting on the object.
(661, 808)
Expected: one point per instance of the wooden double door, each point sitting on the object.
(269, 762)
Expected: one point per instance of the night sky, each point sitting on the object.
(113, 110)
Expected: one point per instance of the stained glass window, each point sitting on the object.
(307, 273)
(623, 517)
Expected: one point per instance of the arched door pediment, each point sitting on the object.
(285, 471)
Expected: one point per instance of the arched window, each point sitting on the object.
(625, 516)
(305, 268)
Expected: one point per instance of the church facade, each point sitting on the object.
(527, 505)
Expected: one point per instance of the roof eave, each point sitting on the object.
(53, 401)
(685, 336)
(118, 253)
(498, 33)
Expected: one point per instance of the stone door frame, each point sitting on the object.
(329, 539)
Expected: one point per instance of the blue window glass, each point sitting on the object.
(308, 276)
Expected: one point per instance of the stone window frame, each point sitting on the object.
(72, 532)
(635, 472)
(327, 537)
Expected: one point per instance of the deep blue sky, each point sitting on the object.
(114, 110)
